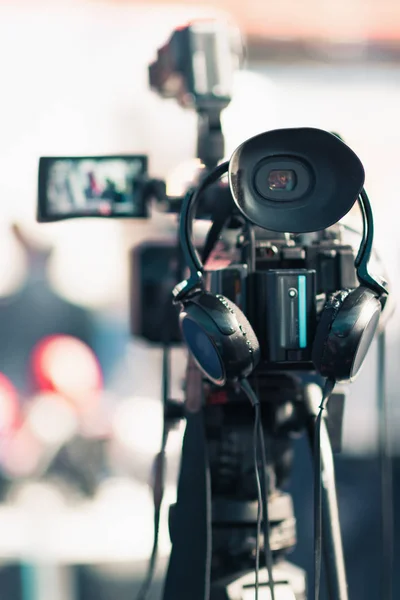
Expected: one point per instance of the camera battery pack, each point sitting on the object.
(283, 312)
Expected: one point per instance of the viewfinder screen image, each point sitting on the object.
(97, 186)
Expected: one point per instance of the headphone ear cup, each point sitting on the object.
(246, 329)
(219, 337)
(330, 310)
(344, 334)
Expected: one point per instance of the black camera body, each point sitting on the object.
(285, 293)
(314, 269)
(153, 267)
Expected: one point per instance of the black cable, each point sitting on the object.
(160, 460)
(327, 391)
(207, 574)
(146, 585)
(158, 492)
(266, 524)
(257, 421)
(259, 441)
(158, 485)
(387, 518)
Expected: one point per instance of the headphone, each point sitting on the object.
(221, 339)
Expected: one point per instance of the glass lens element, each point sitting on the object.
(284, 180)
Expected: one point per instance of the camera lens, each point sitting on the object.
(280, 179)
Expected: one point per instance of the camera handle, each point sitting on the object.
(210, 138)
(332, 537)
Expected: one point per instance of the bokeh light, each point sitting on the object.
(67, 366)
(9, 407)
(88, 264)
(21, 454)
(137, 424)
(51, 419)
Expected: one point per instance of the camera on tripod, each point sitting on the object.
(268, 320)
(292, 298)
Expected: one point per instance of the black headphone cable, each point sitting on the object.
(262, 489)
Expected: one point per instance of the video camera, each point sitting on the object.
(196, 67)
(274, 262)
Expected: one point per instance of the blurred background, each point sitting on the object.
(80, 398)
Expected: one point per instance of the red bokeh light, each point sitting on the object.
(67, 366)
(10, 416)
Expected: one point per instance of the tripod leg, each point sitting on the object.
(186, 571)
(332, 537)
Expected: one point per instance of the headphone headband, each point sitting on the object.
(188, 214)
(196, 268)
(365, 250)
